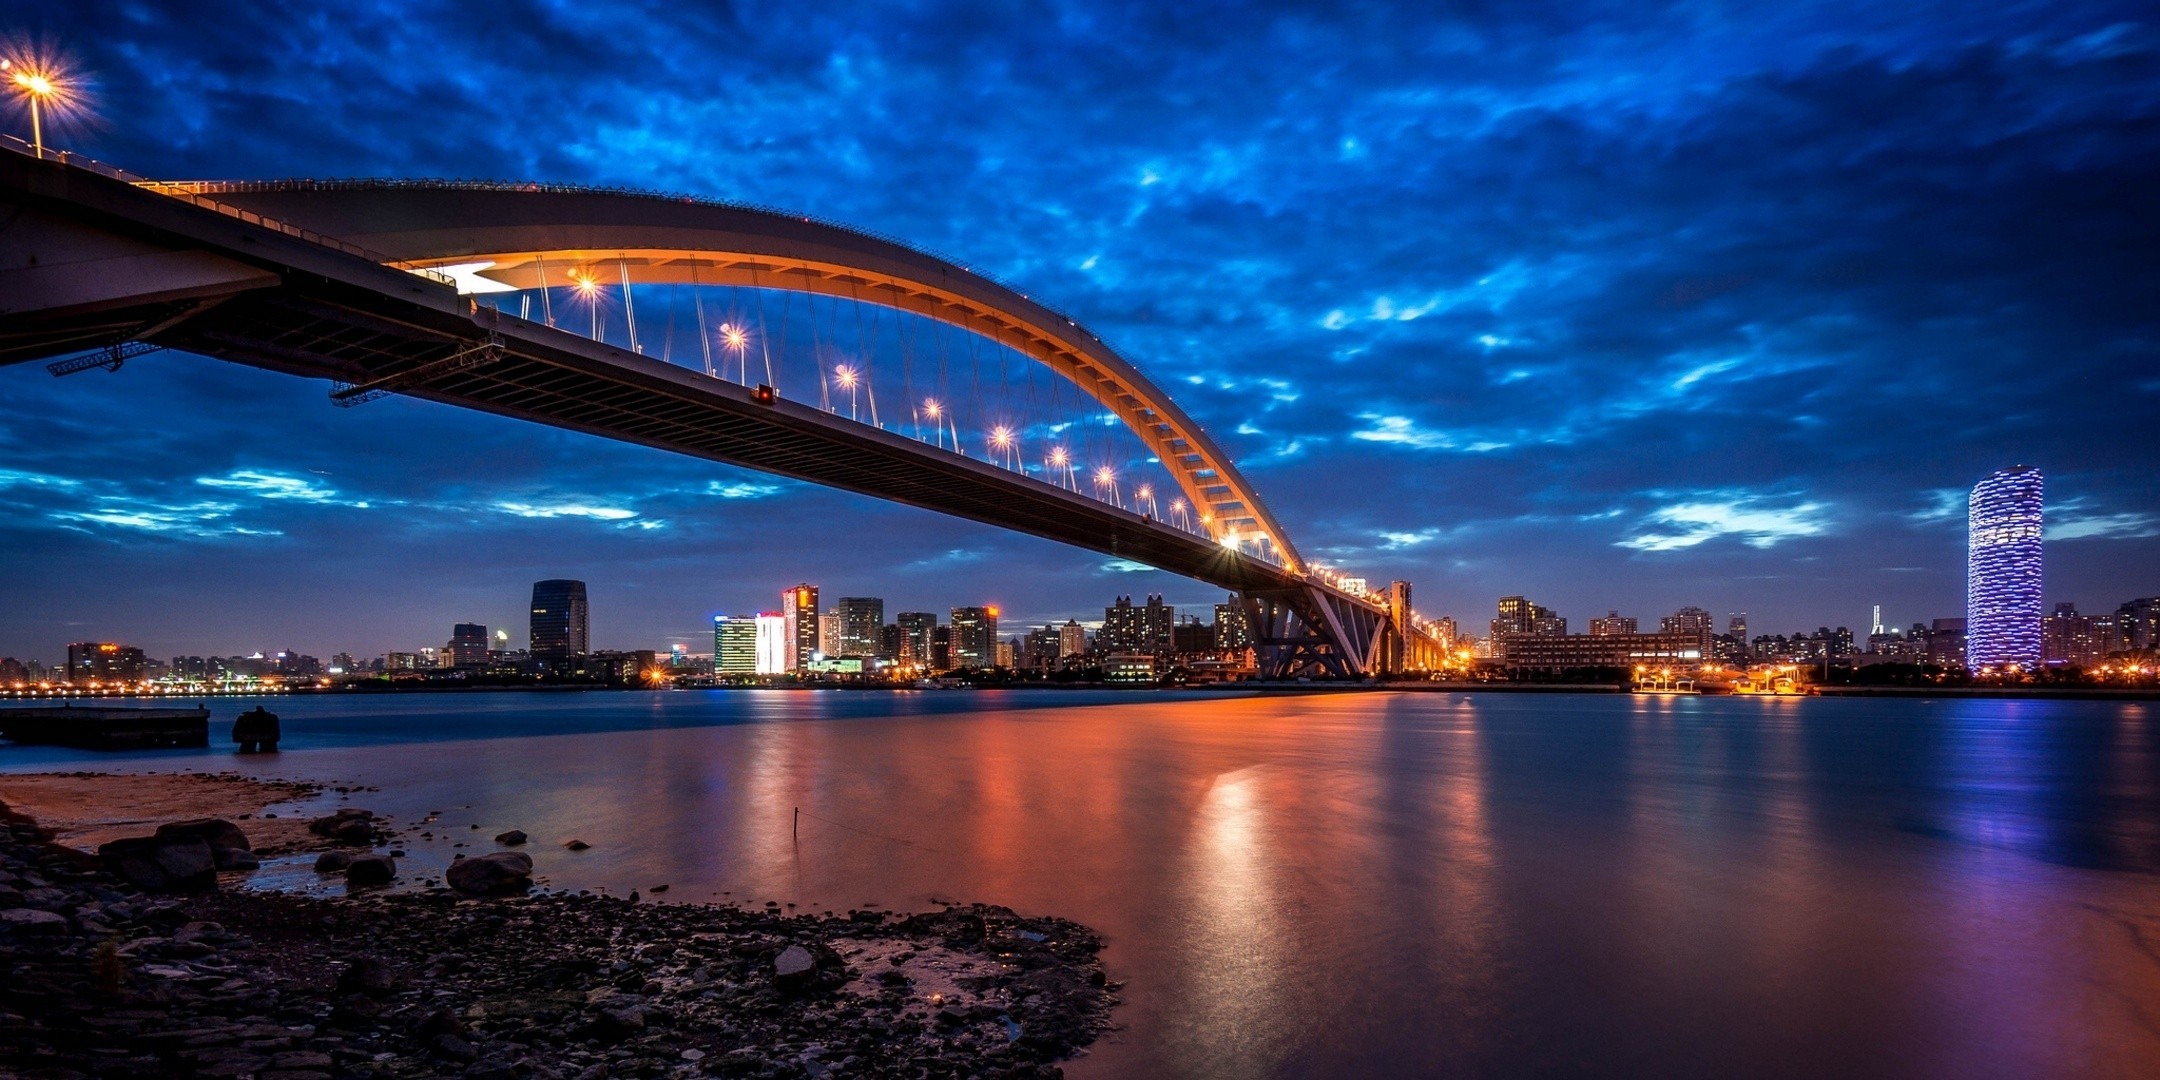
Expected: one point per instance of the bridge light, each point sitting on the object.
(1104, 475)
(39, 87)
(845, 374)
(734, 336)
(1058, 457)
(931, 406)
(1001, 436)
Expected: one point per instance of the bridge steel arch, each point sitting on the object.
(271, 275)
(530, 235)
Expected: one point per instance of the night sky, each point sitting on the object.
(1618, 306)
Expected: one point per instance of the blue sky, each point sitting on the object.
(1620, 306)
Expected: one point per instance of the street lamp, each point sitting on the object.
(38, 87)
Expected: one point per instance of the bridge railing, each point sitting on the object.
(184, 193)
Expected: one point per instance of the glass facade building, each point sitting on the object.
(2002, 571)
(560, 624)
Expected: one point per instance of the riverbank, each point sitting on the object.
(106, 979)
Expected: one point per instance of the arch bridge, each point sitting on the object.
(379, 287)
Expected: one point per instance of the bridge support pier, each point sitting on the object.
(1306, 632)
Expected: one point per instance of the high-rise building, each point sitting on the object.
(828, 633)
(1690, 620)
(1072, 639)
(1232, 629)
(103, 662)
(735, 645)
(974, 637)
(1519, 616)
(1144, 628)
(2137, 625)
(799, 606)
(1736, 625)
(2002, 570)
(559, 622)
(1190, 635)
(917, 629)
(468, 644)
(1611, 623)
(775, 643)
(862, 619)
(1042, 648)
(2068, 638)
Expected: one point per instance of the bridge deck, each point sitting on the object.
(310, 309)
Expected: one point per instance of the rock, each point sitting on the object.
(371, 870)
(367, 975)
(577, 845)
(24, 921)
(794, 968)
(453, 1048)
(614, 1025)
(162, 863)
(512, 838)
(350, 825)
(499, 872)
(443, 1022)
(235, 859)
(216, 832)
(333, 862)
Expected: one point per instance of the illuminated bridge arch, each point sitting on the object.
(528, 236)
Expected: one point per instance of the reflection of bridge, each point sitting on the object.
(105, 265)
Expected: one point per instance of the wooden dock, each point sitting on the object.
(107, 727)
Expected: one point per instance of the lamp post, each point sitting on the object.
(36, 86)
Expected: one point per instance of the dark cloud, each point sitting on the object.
(1620, 305)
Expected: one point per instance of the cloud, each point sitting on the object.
(1757, 521)
(566, 510)
(2086, 526)
(742, 490)
(1403, 431)
(1127, 566)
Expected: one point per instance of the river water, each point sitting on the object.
(1372, 884)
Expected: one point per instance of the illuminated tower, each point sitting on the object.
(800, 605)
(560, 619)
(2002, 571)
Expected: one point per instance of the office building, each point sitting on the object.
(1610, 623)
(776, 643)
(2002, 570)
(828, 633)
(1072, 640)
(468, 645)
(735, 645)
(799, 606)
(916, 631)
(2137, 626)
(862, 622)
(103, 662)
(974, 637)
(559, 620)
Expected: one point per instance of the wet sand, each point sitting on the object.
(86, 809)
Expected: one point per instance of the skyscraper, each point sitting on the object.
(1146, 628)
(2002, 570)
(1232, 630)
(775, 643)
(468, 644)
(862, 618)
(799, 606)
(974, 637)
(559, 627)
(918, 629)
(734, 645)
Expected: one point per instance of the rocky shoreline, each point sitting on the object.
(99, 977)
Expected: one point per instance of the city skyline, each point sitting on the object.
(1598, 409)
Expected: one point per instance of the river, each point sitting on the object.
(1373, 884)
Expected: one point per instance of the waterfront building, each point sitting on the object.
(917, 631)
(1190, 635)
(776, 643)
(2002, 570)
(862, 623)
(1134, 667)
(1944, 642)
(974, 637)
(1232, 629)
(560, 622)
(889, 642)
(1005, 655)
(828, 633)
(2073, 640)
(1042, 648)
(799, 605)
(1073, 640)
(468, 645)
(1560, 652)
(2137, 626)
(401, 661)
(103, 662)
(1736, 626)
(1143, 628)
(1610, 623)
(941, 654)
(1519, 618)
(735, 645)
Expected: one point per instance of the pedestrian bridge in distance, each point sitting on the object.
(401, 287)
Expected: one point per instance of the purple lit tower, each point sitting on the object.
(2002, 571)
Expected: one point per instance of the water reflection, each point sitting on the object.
(1415, 884)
